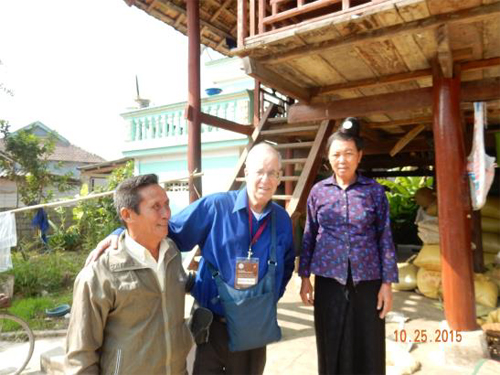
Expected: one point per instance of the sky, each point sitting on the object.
(71, 65)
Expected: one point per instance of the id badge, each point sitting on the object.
(247, 272)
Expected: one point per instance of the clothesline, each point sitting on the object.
(90, 196)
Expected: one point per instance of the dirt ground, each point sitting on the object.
(296, 352)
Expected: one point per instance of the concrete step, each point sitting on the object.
(52, 361)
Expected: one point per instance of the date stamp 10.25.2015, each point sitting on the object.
(424, 335)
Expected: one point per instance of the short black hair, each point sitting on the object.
(127, 193)
(349, 131)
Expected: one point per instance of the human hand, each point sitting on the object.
(384, 300)
(306, 292)
(111, 240)
(4, 301)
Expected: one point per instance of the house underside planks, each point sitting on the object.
(384, 47)
(382, 51)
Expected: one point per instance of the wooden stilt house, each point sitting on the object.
(409, 69)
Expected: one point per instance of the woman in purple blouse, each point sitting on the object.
(348, 245)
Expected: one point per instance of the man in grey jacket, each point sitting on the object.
(128, 307)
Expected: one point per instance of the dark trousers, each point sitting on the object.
(350, 336)
(214, 356)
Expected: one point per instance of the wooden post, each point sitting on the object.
(242, 22)
(453, 204)
(256, 103)
(477, 240)
(194, 100)
(262, 15)
(289, 171)
(253, 25)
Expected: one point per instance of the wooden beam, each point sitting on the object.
(444, 55)
(402, 77)
(407, 138)
(483, 90)
(370, 134)
(398, 123)
(219, 122)
(270, 112)
(375, 81)
(242, 22)
(256, 70)
(367, 105)
(487, 89)
(253, 26)
(468, 118)
(386, 161)
(289, 129)
(226, 124)
(170, 4)
(418, 144)
(480, 64)
(417, 173)
(297, 11)
(310, 168)
(462, 16)
(262, 15)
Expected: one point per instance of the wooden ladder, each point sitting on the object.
(306, 143)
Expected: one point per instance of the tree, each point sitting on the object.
(25, 161)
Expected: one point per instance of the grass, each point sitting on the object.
(32, 310)
(44, 281)
(38, 274)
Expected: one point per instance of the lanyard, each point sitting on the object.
(257, 235)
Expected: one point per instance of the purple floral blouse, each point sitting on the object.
(348, 225)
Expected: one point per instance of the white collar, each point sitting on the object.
(143, 255)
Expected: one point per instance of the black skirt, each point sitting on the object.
(350, 336)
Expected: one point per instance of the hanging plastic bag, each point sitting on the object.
(480, 166)
(8, 238)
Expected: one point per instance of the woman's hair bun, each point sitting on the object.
(351, 126)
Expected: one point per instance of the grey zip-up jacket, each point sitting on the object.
(122, 323)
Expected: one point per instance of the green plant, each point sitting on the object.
(62, 238)
(403, 209)
(95, 218)
(32, 310)
(36, 274)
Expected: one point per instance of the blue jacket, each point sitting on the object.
(218, 223)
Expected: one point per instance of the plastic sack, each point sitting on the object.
(428, 227)
(429, 283)
(491, 243)
(494, 275)
(480, 166)
(489, 258)
(491, 208)
(407, 277)
(486, 291)
(428, 237)
(490, 225)
(429, 258)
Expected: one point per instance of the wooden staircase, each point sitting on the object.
(301, 147)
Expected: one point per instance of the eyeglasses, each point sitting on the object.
(271, 174)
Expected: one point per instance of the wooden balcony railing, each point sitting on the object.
(256, 17)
